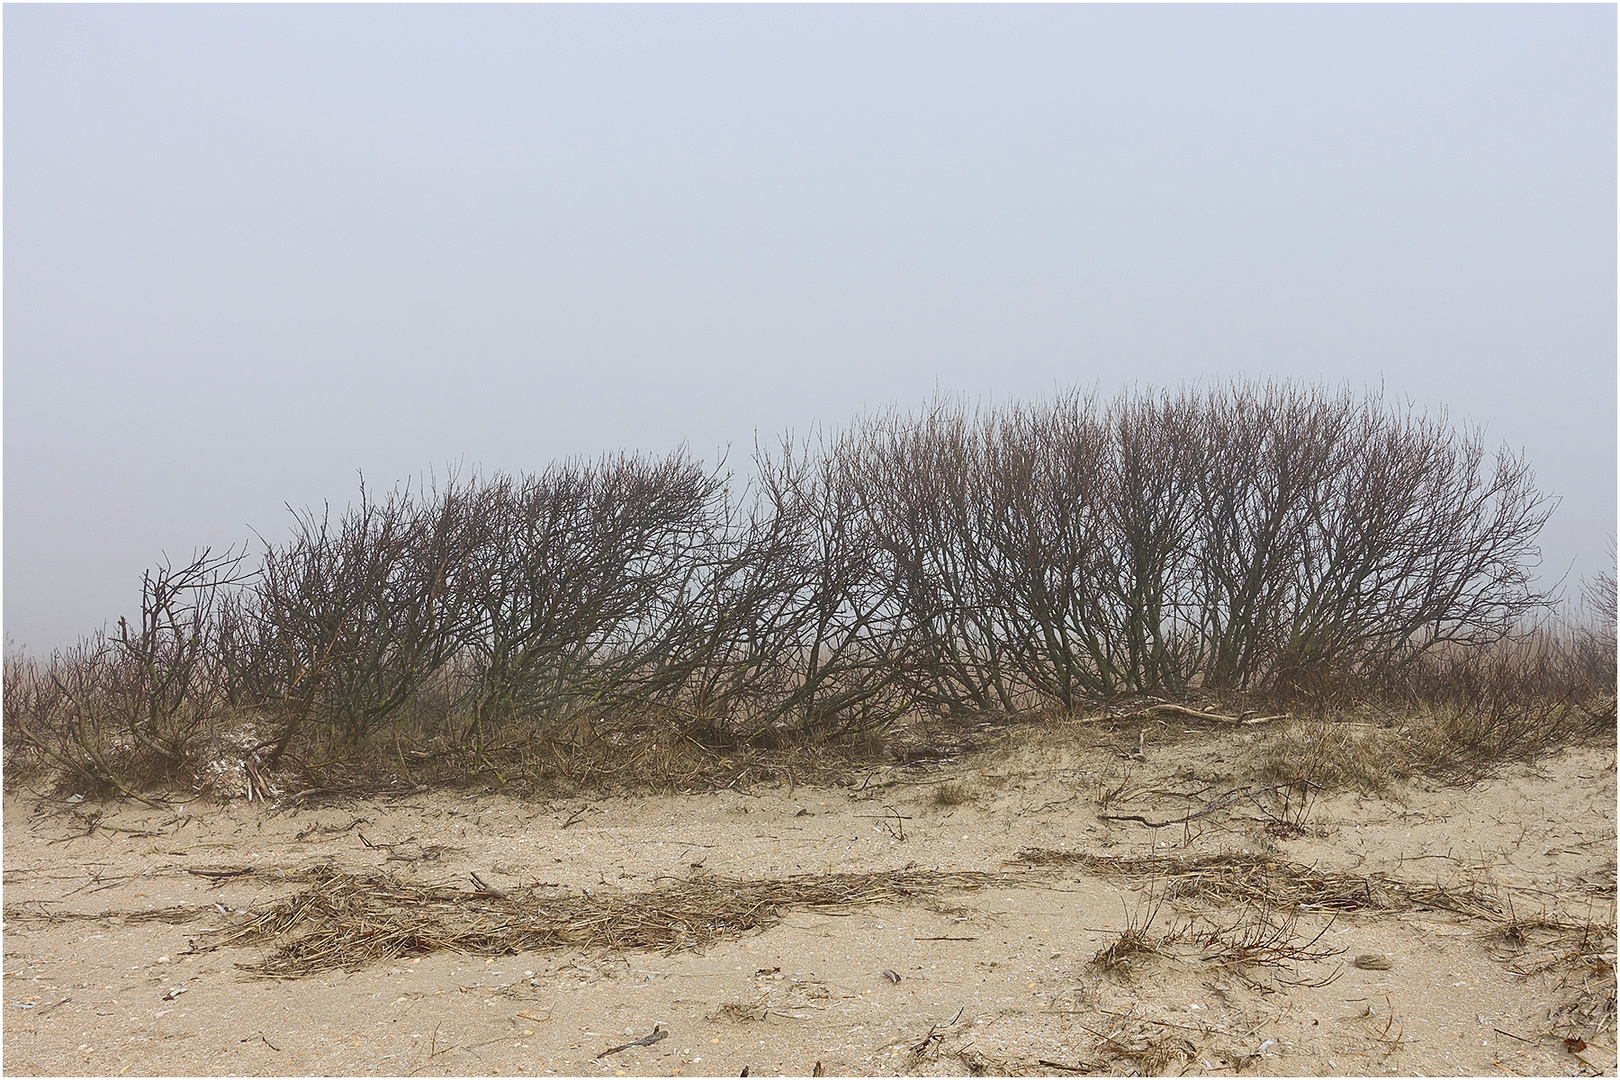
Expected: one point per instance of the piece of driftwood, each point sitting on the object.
(658, 1033)
(1180, 710)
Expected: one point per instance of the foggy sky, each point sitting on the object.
(251, 252)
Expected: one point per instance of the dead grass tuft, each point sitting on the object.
(1125, 956)
(1254, 937)
(1337, 755)
(1259, 937)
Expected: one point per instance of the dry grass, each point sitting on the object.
(1258, 937)
(1462, 744)
(1338, 755)
(1271, 883)
(1578, 961)
(344, 920)
(1254, 937)
(625, 753)
(1464, 717)
(39, 911)
(1130, 953)
(1148, 1050)
(1576, 956)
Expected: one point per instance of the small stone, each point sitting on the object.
(1373, 962)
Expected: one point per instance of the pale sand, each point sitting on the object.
(86, 996)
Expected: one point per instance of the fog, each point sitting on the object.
(253, 252)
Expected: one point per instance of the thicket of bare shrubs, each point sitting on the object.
(1265, 540)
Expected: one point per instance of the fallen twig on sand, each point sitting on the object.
(180, 913)
(658, 1033)
(1219, 804)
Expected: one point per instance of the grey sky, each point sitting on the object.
(251, 250)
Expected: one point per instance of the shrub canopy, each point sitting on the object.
(1252, 537)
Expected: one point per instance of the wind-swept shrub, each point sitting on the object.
(580, 582)
(122, 712)
(792, 625)
(1341, 538)
(349, 618)
(1263, 539)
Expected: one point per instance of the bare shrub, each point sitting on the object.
(128, 711)
(919, 486)
(1595, 633)
(1262, 538)
(167, 666)
(803, 630)
(349, 618)
(1253, 541)
(581, 583)
(1343, 540)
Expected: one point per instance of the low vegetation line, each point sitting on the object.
(1251, 544)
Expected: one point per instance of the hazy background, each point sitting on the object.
(252, 250)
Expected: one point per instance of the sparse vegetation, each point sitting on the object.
(344, 921)
(1132, 950)
(1269, 883)
(641, 620)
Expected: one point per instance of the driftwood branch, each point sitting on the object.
(1147, 713)
(1219, 804)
